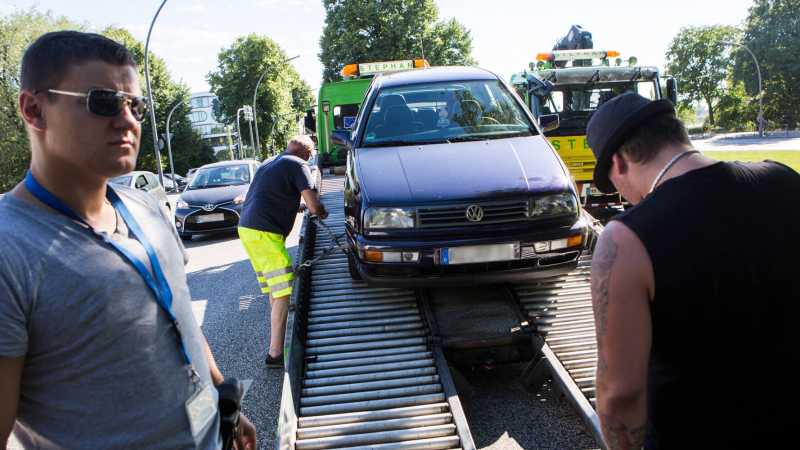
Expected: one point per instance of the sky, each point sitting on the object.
(507, 34)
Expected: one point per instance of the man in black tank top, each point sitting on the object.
(696, 289)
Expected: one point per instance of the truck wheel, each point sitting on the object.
(351, 266)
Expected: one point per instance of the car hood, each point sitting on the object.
(215, 195)
(460, 171)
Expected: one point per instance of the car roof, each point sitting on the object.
(135, 172)
(434, 74)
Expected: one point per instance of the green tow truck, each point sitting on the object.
(338, 104)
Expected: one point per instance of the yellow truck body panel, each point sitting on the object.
(576, 155)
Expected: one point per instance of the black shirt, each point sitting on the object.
(274, 195)
(724, 242)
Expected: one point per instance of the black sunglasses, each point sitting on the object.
(109, 103)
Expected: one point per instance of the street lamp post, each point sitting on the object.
(239, 131)
(760, 118)
(250, 115)
(150, 95)
(169, 143)
(255, 92)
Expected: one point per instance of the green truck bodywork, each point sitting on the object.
(337, 106)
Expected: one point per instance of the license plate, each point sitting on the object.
(478, 254)
(211, 218)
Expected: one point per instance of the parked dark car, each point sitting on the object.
(212, 202)
(176, 185)
(450, 181)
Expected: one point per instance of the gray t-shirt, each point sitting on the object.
(103, 367)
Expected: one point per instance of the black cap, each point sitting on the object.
(612, 123)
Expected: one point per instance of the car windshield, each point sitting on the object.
(576, 104)
(445, 112)
(124, 180)
(209, 177)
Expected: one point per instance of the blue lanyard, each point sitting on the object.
(159, 284)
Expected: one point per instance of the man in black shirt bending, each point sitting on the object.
(696, 289)
(267, 218)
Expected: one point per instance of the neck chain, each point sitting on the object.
(668, 166)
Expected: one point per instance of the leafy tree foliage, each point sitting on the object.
(17, 31)
(772, 33)
(282, 95)
(383, 30)
(699, 57)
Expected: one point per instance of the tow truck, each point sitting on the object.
(572, 81)
(338, 103)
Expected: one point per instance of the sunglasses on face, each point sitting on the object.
(109, 103)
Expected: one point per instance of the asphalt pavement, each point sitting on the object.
(234, 317)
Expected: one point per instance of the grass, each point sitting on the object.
(789, 157)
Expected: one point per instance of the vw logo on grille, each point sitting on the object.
(474, 213)
(209, 207)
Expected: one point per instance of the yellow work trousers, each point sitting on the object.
(270, 260)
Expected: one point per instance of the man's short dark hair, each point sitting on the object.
(49, 58)
(647, 140)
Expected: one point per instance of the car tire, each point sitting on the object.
(352, 268)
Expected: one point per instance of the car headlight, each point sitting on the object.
(182, 204)
(379, 218)
(239, 199)
(554, 205)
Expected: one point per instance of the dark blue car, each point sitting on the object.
(449, 180)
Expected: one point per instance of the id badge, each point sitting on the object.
(201, 408)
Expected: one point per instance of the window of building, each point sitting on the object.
(198, 116)
(201, 102)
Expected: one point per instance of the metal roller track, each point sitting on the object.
(369, 377)
(561, 309)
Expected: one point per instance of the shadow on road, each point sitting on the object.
(501, 412)
(205, 239)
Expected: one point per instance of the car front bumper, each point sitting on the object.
(429, 271)
(187, 223)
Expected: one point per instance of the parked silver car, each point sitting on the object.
(147, 182)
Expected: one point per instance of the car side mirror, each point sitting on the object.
(672, 90)
(342, 138)
(549, 122)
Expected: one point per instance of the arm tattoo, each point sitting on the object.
(620, 437)
(602, 262)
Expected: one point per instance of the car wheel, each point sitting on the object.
(351, 266)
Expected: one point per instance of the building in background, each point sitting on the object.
(204, 121)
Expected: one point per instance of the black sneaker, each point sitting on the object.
(274, 362)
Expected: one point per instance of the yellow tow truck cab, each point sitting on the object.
(572, 84)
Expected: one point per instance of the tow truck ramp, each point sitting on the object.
(363, 371)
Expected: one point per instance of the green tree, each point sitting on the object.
(736, 111)
(382, 30)
(188, 148)
(282, 95)
(700, 58)
(17, 31)
(772, 32)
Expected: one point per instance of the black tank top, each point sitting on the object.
(724, 241)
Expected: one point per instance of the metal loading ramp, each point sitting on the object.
(361, 372)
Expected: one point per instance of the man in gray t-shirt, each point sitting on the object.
(88, 358)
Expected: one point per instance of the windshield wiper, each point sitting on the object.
(483, 137)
